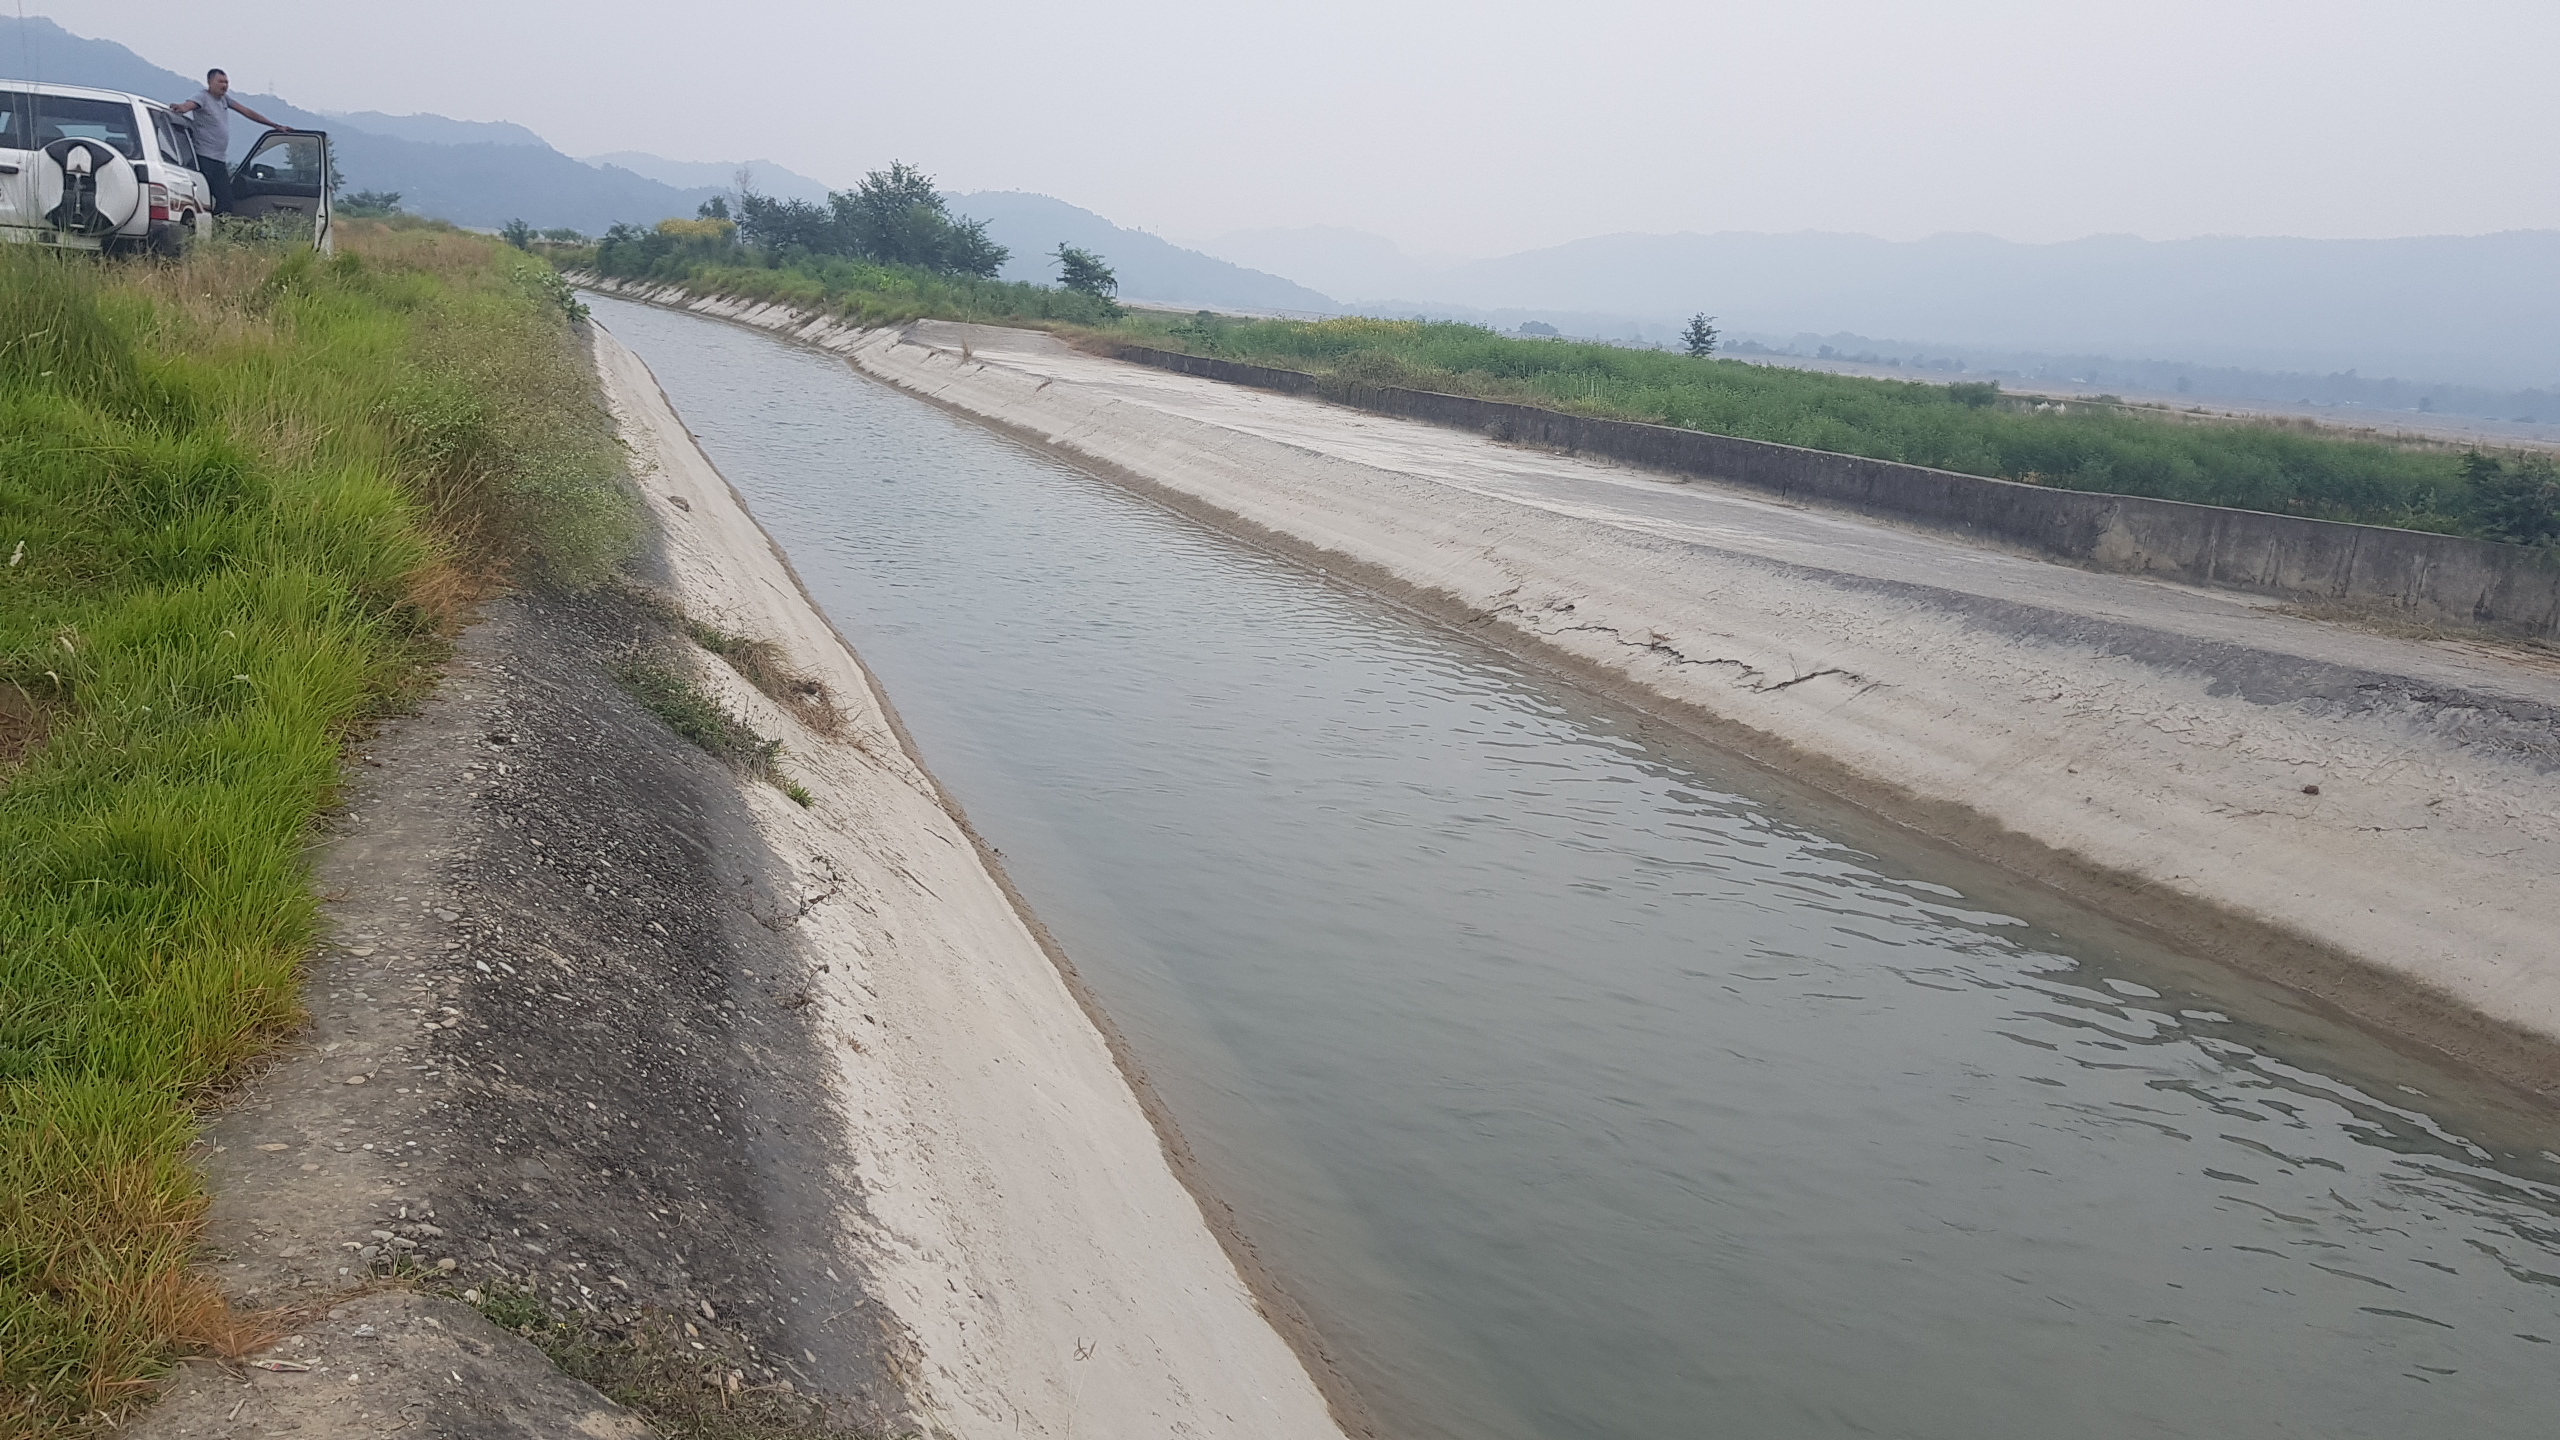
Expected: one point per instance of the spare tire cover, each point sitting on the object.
(86, 187)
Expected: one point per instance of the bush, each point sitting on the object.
(2518, 501)
(894, 217)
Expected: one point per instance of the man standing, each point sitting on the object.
(211, 130)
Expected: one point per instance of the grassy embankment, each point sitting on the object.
(242, 501)
(702, 257)
(1965, 427)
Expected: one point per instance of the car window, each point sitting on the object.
(285, 160)
(13, 120)
(110, 122)
(173, 145)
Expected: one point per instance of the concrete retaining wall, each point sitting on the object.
(2437, 579)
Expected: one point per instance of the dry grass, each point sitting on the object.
(761, 664)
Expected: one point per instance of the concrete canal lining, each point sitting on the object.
(2372, 820)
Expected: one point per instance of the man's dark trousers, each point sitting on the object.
(218, 175)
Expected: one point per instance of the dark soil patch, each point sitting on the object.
(558, 1055)
(23, 723)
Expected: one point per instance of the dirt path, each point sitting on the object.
(555, 1042)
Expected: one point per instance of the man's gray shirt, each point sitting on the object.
(209, 125)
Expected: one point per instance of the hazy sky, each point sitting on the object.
(1473, 129)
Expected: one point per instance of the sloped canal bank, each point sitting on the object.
(1581, 1082)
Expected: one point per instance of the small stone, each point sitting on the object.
(2310, 789)
(448, 1264)
(309, 1167)
(361, 951)
(470, 1297)
(381, 1234)
(358, 1079)
(272, 1149)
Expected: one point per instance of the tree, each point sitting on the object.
(784, 226)
(715, 208)
(1701, 335)
(896, 216)
(518, 234)
(370, 204)
(1083, 271)
(2519, 502)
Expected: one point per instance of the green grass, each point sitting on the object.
(696, 716)
(1964, 427)
(860, 291)
(246, 497)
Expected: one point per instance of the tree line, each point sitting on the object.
(895, 216)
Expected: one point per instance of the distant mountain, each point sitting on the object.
(1150, 268)
(2481, 310)
(47, 52)
(38, 49)
(1353, 264)
(437, 130)
(489, 185)
(770, 179)
(470, 172)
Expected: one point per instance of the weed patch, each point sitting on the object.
(696, 716)
(655, 1368)
(760, 663)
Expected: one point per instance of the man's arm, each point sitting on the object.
(182, 107)
(254, 115)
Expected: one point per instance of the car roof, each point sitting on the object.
(81, 92)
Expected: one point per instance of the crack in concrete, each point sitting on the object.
(1751, 676)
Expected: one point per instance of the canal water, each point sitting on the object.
(1581, 1081)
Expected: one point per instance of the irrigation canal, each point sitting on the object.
(1580, 1081)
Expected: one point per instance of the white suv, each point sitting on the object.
(96, 170)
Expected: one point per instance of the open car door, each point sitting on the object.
(287, 173)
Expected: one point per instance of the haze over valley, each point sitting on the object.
(2447, 324)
